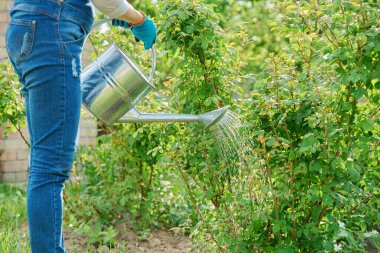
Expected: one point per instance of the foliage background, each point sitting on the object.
(304, 76)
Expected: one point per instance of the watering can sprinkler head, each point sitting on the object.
(211, 118)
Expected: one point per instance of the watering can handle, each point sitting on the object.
(153, 70)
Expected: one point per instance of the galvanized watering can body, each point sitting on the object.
(113, 84)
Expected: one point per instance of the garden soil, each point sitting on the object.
(159, 241)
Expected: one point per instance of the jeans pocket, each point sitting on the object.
(20, 38)
(71, 32)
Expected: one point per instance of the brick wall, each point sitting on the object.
(88, 130)
(14, 153)
(14, 157)
(4, 18)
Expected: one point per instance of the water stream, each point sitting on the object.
(232, 144)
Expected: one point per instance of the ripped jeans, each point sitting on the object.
(44, 42)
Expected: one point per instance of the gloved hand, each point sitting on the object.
(146, 32)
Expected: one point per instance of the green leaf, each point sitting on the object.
(276, 226)
(291, 7)
(354, 76)
(309, 140)
(204, 44)
(367, 125)
(271, 141)
(208, 101)
(360, 92)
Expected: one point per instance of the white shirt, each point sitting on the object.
(112, 8)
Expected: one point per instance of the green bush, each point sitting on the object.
(12, 111)
(124, 177)
(314, 117)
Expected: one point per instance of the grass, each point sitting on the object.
(13, 231)
(13, 223)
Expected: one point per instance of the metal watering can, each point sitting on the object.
(113, 84)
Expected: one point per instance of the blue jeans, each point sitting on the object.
(44, 42)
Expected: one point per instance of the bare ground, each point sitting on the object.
(159, 241)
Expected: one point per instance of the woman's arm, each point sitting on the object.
(119, 9)
(142, 26)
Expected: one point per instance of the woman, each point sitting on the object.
(44, 42)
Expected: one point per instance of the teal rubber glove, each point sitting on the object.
(146, 32)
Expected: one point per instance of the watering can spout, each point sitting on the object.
(207, 119)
